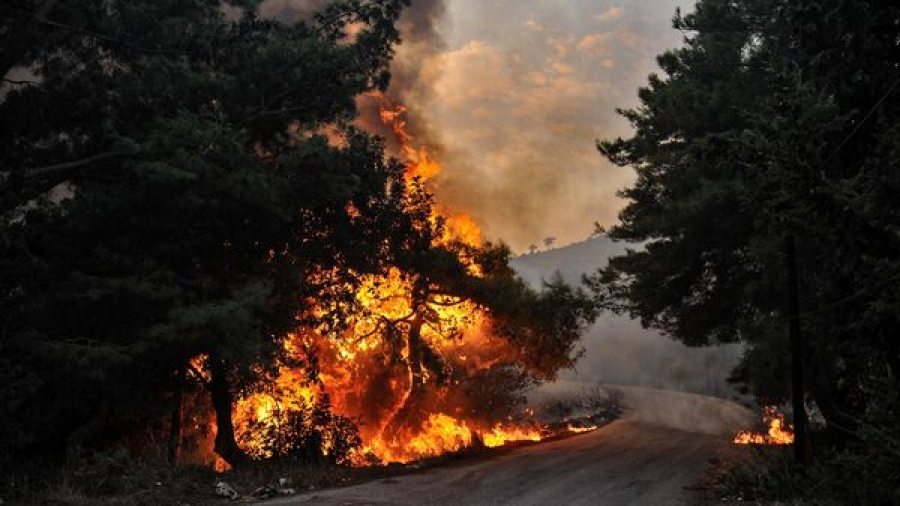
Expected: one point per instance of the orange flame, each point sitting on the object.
(580, 430)
(779, 433)
(439, 434)
(368, 371)
(499, 435)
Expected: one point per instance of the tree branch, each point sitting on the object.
(75, 164)
(56, 173)
(39, 16)
(18, 83)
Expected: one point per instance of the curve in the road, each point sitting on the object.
(639, 460)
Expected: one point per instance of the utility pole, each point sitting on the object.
(797, 391)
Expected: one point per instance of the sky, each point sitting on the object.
(512, 96)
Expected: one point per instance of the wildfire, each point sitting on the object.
(439, 434)
(499, 435)
(580, 430)
(779, 433)
(371, 370)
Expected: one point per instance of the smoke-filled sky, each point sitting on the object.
(511, 96)
(514, 94)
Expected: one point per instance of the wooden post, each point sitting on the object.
(797, 390)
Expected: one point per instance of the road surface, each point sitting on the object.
(646, 458)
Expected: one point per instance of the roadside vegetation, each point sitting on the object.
(191, 218)
(196, 236)
(766, 200)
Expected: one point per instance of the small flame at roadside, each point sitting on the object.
(500, 435)
(779, 433)
(579, 430)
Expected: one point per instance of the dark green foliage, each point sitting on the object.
(745, 141)
(192, 200)
(544, 326)
(498, 392)
(175, 185)
(864, 472)
(774, 118)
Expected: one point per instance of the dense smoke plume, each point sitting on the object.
(411, 77)
(516, 98)
(511, 95)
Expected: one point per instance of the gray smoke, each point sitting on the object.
(511, 95)
(421, 43)
(517, 98)
(420, 47)
(640, 363)
(618, 350)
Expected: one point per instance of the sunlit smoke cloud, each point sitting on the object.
(511, 96)
(413, 73)
(517, 97)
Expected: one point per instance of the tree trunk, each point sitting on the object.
(405, 412)
(797, 390)
(416, 381)
(175, 425)
(220, 394)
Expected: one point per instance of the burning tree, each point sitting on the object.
(194, 195)
(442, 323)
(216, 229)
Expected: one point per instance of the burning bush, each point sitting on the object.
(312, 433)
(778, 431)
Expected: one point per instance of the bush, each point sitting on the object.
(313, 434)
(864, 472)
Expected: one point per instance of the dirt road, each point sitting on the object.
(646, 458)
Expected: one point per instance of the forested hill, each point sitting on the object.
(617, 349)
(570, 261)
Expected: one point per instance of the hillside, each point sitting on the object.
(617, 349)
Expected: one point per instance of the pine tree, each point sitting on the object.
(774, 119)
(165, 195)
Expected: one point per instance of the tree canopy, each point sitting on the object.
(166, 195)
(773, 119)
(182, 180)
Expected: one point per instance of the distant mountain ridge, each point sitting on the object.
(570, 261)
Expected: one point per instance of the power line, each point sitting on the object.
(860, 124)
(844, 141)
